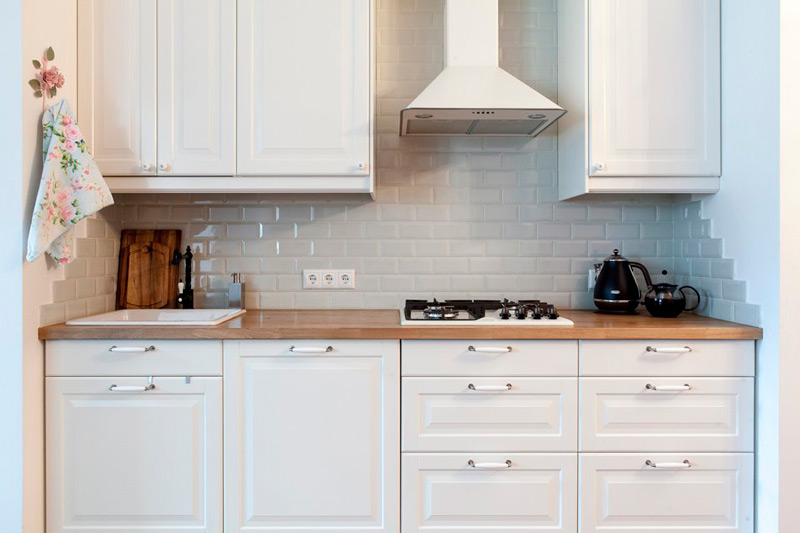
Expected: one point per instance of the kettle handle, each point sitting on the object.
(693, 290)
(646, 274)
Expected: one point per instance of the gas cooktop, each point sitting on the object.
(482, 313)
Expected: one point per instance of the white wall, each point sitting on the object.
(745, 212)
(46, 23)
(790, 266)
(11, 272)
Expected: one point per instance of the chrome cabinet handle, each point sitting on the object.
(134, 388)
(669, 388)
(489, 388)
(362, 166)
(310, 349)
(164, 167)
(131, 349)
(490, 349)
(653, 464)
(669, 349)
(147, 167)
(473, 464)
(131, 388)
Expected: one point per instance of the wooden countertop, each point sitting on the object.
(385, 324)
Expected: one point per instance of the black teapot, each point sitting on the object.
(665, 300)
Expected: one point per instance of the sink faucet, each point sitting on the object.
(185, 291)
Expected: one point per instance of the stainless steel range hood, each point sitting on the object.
(473, 95)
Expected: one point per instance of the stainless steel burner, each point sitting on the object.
(440, 312)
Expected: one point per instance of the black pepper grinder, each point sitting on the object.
(186, 294)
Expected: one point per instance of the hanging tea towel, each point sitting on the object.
(71, 189)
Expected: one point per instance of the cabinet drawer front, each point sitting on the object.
(621, 493)
(443, 493)
(490, 358)
(489, 414)
(167, 358)
(667, 358)
(663, 414)
(310, 347)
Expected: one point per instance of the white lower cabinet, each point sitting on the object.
(129, 454)
(449, 493)
(667, 493)
(311, 436)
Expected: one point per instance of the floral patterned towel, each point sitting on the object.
(71, 189)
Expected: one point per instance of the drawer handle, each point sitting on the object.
(131, 349)
(653, 464)
(133, 388)
(669, 349)
(669, 388)
(489, 466)
(490, 349)
(489, 388)
(310, 349)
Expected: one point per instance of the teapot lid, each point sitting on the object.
(615, 257)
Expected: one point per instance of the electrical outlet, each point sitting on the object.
(346, 279)
(312, 279)
(329, 279)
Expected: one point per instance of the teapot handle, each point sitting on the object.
(645, 273)
(695, 291)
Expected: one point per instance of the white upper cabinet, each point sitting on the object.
(304, 88)
(227, 95)
(117, 84)
(641, 82)
(196, 87)
(158, 102)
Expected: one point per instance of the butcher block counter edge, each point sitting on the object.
(385, 324)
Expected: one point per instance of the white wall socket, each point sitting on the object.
(329, 279)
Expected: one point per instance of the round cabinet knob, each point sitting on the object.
(147, 167)
(164, 167)
(599, 167)
(362, 166)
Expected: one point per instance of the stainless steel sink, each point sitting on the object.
(159, 317)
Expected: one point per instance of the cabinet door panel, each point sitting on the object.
(654, 90)
(443, 493)
(117, 84)
(623, 414)
(470, 414)
(621, 493)
(304, 87)
(144, 461)
(311, 442)
(196, 86)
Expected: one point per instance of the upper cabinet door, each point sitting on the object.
(117, 84)
(654, 87)
(196, 87)
(304, 87)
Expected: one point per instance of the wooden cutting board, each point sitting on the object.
(147, 278)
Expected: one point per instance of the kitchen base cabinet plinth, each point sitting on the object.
(311, 436)
(667, 493)
(489, 493)
(124, 457)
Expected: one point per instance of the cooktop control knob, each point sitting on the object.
(521, 313)
(551, 312)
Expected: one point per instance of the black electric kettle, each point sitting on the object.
(615, 289)
(665, 300)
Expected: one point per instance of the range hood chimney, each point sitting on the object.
(473, 95)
